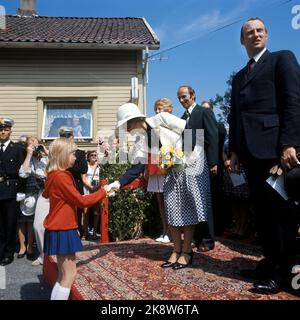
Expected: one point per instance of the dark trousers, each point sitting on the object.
(216, 216)
(203, 234)
(218, 201)
(8, 226)
(275, 218)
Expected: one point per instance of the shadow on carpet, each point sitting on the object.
(131, 270)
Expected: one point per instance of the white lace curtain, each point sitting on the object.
(57, 116)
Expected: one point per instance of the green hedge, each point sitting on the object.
(129, 210)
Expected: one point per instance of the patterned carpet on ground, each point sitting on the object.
(131, 270)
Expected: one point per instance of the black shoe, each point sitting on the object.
(6, 261)
(178, 265)
(169, 264)
(267, 287)
(30, 256)
(21, 255)
(238, 237)
(204, 247)
(253, 274)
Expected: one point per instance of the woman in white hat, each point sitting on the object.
(192, 204)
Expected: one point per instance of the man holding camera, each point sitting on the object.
(11, 158)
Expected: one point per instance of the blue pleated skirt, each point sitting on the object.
(61, 242)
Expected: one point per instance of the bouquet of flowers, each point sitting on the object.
(171, 158)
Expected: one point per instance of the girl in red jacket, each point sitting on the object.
(61, 235)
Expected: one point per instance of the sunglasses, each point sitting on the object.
(93, 155)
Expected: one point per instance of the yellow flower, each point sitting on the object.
(169, 164)
(163, 149)
(179, 153)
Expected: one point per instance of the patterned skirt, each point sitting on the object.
(187, 195)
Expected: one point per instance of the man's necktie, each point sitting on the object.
(2, 149)
(186, 115)
(250, 65)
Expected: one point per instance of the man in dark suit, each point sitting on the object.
(265, 132)
(218, 203)
(12, 156)
(79, 168)
(201, 118)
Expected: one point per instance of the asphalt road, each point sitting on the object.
(23, 282)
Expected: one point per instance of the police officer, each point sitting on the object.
(12, 156)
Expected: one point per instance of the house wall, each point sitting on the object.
(29, 76)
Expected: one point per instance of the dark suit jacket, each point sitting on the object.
(222, 136)
(10, 163)
(202, 118)
(265, 106)
(80, 167)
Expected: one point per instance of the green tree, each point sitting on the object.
(223, 103)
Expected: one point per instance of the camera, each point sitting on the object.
(39, 148)
(95, 183)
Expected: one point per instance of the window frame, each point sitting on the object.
(62, 102)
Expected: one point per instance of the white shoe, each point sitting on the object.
(37, 262)
(165, 239)
(160, 238)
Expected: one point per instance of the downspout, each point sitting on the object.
(145, 77)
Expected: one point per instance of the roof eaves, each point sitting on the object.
(154, 35)
(68, 45)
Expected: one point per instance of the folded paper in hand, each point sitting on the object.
(237, 179)
(277, 183)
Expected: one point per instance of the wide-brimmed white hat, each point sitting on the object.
(28, 206)
(127, 112)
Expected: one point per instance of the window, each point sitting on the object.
(77, 115)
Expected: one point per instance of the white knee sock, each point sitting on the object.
(54, 290)
(62, 293)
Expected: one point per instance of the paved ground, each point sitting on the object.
(24, 282)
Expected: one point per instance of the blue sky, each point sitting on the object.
(207, 61)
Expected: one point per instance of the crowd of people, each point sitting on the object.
(49, 193)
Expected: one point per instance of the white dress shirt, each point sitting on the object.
(259, 55)
(191, 108)
(5, 144)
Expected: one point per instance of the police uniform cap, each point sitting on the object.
(65, 132)
(6, 122)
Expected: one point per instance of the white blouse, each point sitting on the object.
(37, 167)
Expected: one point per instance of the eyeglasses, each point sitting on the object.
(93, 155)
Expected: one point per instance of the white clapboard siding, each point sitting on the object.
(30, 76)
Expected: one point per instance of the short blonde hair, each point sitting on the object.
(59, 152)
(165, 103)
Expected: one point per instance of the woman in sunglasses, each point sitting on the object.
(91, 184)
